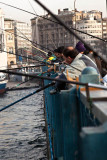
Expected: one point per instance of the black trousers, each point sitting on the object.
(61, 85)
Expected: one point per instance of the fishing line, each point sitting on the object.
(26, 39)
(23, 56)
(24, 82)
(32, 45)
(68, 29)
(55, 79)
(35, 26)
(27, 67)
(61, 23)
(38, 90)
(54, 22)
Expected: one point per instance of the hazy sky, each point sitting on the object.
(53, 5)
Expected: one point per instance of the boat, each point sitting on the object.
(3, 83)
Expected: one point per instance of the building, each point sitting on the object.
(93, 24)
(10, 41)
(105, 35)
(3, 54)
(105, 28)
(23, 45)
(49, 34)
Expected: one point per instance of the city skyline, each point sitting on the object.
(33, 7)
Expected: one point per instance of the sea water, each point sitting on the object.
(22, 127)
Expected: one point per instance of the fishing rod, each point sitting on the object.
(37, 91)
(32, 45)
(35, 26)
(22, 56)
(55, 79)
(68, 29)
(91, 49)
(27, 39)
(25, 56)
(54, 21)
(27, 67)
(14, 88)
(72, 67)
(36, 54)
(42, 61)
(27, 11)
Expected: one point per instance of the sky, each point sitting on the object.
(53, 5)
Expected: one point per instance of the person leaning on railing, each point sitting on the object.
(59, 56)
(76, 63)
(82, 49)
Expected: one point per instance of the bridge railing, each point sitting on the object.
(77, 127)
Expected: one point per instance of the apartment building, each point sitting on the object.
(94, 25)
(23, 46)
(105, 28)
(80, 15)
(49, 34)
(3, 54)
(91, 26)
(10, 41)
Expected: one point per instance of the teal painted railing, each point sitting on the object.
(75, 132)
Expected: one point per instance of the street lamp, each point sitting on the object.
(75, 13)
(74, 20)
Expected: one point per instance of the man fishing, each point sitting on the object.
(76, 63)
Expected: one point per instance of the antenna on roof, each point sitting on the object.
(106, 5)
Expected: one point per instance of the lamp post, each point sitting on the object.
(74, 20)
(65, 39)
(75, 13)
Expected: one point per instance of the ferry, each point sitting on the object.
(3, 83)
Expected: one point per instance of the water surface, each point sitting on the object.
(22, 127)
